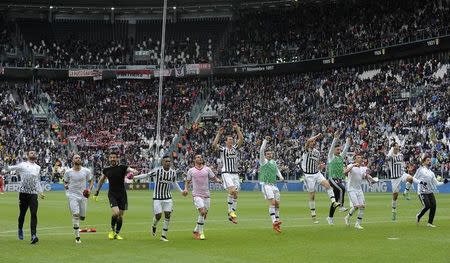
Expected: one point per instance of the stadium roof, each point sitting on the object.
(26, 8)
(143, 3)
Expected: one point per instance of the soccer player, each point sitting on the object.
(427, 183)
(313, 177)
(30, 188)
(75, 180)
(117, 193)
(336, 165)
(230, 173)
(356, 173)
(164, 176)
(268, 173)
(200, 175)
(397, 175)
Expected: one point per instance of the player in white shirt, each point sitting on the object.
(356, 173)
(425, 189)
(77, 192)
(30, 188)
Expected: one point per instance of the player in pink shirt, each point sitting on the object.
(199, 175)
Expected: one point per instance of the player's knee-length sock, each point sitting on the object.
(165, 226)
(360, 215)
(113, 223)
(119, 224)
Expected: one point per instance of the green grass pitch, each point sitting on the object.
(251, 240)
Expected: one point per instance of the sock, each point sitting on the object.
(155, 221)
(230, 203)
(113, 223)
(277, 213)
(200, 223)
(360, 215)
(332, 210)
(76, 226)
(165, 226)
(119, 224)
(351, 211)
(234, 205)
(331, 195)
(312, 207)
(394, 206)
(408, 186)
(272, 213)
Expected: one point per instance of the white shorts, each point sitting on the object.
(77, 205)
(200, 202)
(162, 205)
(396, 182)
(313, 180)
(270, 191)
(356, 197)
(230, 180)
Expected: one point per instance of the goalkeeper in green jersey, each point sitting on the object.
(335, 172)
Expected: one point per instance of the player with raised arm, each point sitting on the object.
(117, 193)
(75, 180)
(313, 176)
(398, 175)
(30, 188)
(336, 177)
(164, 176)
(229, 156)
(357, 173)
(199, 176)
(268, 173)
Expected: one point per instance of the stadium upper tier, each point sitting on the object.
(252, 36)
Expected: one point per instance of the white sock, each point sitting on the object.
(155, 221)
(408, 186)
(200, 223)
(312, 207)
(360, 215)
(277, 213)
(230, 202)
(272, 213)
(165, 226)
(394, 206)
(234, 205)
(331, 195)
(351, 211)
(76, 226)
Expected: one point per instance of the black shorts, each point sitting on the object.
(118, 199)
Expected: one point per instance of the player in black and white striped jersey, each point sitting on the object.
(313, 176)
(164, 177)
(229, 156)
(397, 174)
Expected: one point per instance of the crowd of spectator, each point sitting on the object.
(402, 101)
(21, 130)
(176, 52)
(292, 108)
(317, 30)
(268, 35)
(122, 114)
